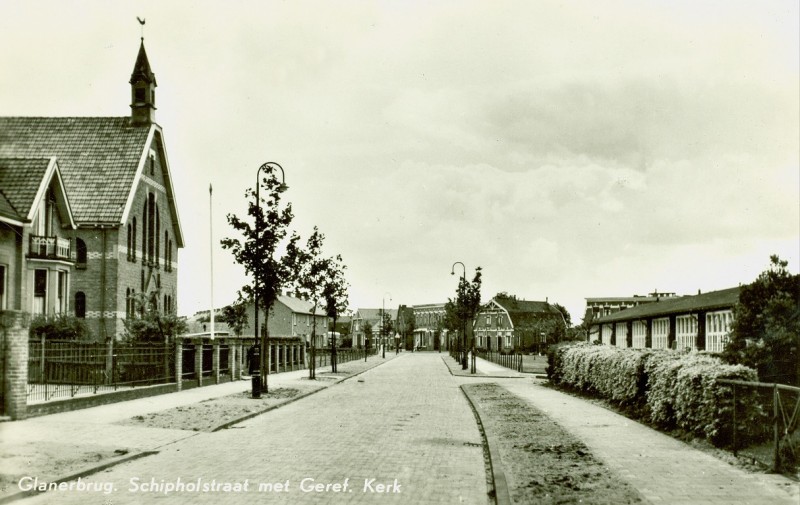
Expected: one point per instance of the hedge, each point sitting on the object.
(675, 390)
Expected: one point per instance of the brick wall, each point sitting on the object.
(14, 346)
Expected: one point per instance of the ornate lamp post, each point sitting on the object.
(255, 363)
(464, 331)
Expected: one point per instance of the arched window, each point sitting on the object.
(133, 244)
(144, 234)
(81, 254)
(151, 224)
(158, 237)
(80, 304)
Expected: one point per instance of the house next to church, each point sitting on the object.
(102, 226)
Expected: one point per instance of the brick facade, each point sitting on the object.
(113, 271)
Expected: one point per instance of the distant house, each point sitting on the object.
(290, 318)
(507, 323)
(117, 179)
(701, 322)
(373, 317)
(429, 331)
(37, 257)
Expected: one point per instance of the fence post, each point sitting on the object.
(178, 363)
(776, 465)
(198, 360)
(735, 428)
(15, 372)
(215, 361)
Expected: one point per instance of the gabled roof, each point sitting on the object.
(98, 157)
(23, 183)
(300, 306)
(20, 180)
(713, 300)
(101, 160)
(524, 312)
(375, 314)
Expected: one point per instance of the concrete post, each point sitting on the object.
(14, 331)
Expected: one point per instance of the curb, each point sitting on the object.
(83, 473)
(500, 492)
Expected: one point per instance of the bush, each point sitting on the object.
(676, 390)
(58, 327)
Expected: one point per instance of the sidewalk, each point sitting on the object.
(663, 469)
(92, 431)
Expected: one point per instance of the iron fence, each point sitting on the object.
(764, 426)
(68, 368)
(511, 360)
(343, 355)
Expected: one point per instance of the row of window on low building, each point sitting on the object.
(717, 329)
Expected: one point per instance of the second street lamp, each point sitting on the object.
(256, 355)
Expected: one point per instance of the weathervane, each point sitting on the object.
(141, 22)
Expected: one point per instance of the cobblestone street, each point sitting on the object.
(399, 433)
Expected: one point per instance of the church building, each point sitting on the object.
(101, 228)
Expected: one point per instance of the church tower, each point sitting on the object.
(143, 90)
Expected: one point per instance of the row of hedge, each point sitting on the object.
(672, 390)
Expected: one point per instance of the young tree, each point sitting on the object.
(257, 251)
(386, 328)
(336, 300)
(367, 338)
(766, 328)
(406, 323)
(312, 275)
(460, 313)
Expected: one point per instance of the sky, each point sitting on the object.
(570, 149)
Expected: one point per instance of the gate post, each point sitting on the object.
(14, 328)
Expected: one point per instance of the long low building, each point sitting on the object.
(700, 322)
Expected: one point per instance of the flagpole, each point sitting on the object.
(211, 256)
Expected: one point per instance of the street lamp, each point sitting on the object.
(256, 356)
(383, 312)
(464, 331)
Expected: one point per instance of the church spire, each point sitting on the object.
(143, 89)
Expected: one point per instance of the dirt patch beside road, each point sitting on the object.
(210, 414)
(542, 462)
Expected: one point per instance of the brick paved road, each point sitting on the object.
(407, 426)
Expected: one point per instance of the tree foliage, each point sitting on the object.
(460, 312)
(766, 329)
(263, 238)
(235, 316)
(148, 324)
(58, 327)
